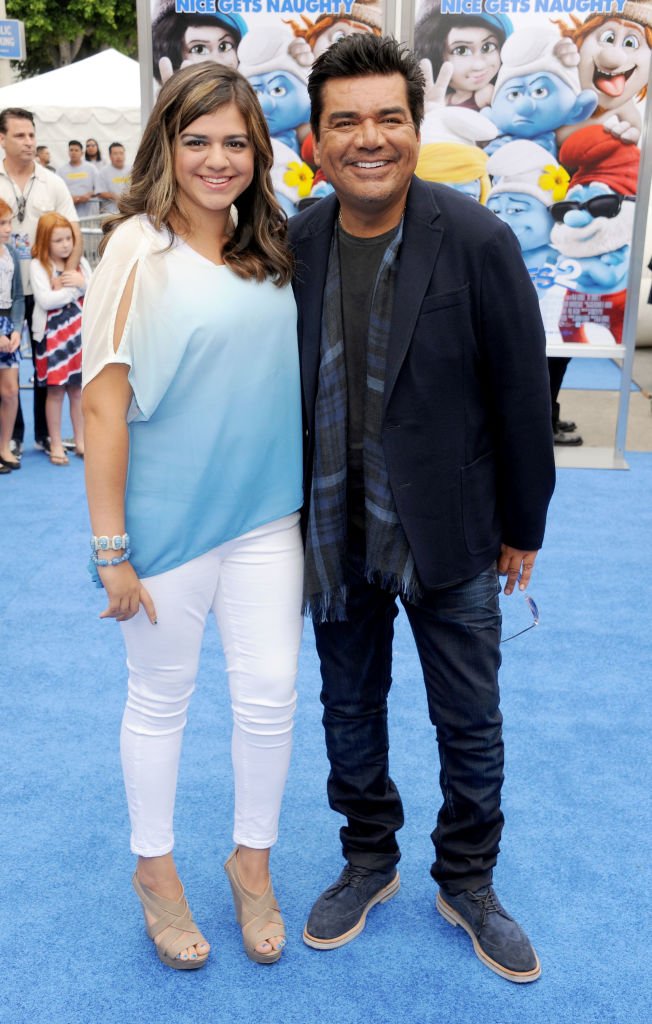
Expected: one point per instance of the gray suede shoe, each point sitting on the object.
(341, 911)
(497, 939)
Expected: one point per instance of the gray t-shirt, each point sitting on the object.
(111, 179)
(360, 259)
(80, 179)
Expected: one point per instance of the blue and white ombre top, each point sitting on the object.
(215, 421)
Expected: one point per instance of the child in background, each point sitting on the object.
(56, 327)
(12, 312)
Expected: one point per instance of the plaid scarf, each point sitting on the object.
(389, 561)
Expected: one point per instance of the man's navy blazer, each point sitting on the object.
(466, 427)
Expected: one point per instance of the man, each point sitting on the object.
(43, 157)
(79, 176)
(428, 460)
(30, 191)
(112, 180)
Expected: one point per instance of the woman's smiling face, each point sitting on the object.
(213, 163)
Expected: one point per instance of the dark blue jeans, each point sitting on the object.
(457, 635)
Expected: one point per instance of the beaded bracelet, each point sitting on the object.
(111, 561)
(116, 543)
(95, 561)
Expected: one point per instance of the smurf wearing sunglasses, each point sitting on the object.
(593, 230)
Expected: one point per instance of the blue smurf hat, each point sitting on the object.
(234, 22)
(499, 21)
(166, 9)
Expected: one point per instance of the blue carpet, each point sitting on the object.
(594, 375)
(575, 866)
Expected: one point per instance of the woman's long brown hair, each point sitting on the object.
(257, 248)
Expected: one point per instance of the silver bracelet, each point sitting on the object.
(115, 543)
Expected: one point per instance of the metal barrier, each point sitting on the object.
(91, 230)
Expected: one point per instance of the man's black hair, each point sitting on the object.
(361, 54)
(18, 112)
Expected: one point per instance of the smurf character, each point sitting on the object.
(614, 60)
(526, 184)
(536, 90)
(593, 230)
(179, 39)
(471, 44)
(280, 84)
(450, 150)
(364, 16)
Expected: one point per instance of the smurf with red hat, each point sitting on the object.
(593, 230)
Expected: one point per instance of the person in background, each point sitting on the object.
(56, 327)
(112, 179)
(93, 154)
(428, 470)
(31, 191)
(12, 313)
(79, 175)
(190, 339)
(43, 157)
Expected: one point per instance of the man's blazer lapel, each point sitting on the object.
(312, 250)
(417, 257)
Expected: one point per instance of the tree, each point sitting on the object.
(57, 33)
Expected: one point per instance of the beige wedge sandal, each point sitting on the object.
(258, 916)
(177, 917)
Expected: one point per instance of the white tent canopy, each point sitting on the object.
(98, 98)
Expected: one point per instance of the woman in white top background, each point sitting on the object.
(193, 471)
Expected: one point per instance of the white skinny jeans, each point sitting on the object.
(253, 586)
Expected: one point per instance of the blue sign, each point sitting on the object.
(12, 40)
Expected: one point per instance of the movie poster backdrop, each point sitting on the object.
(536, 111)
(273, 43)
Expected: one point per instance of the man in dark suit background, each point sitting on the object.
(429, 468)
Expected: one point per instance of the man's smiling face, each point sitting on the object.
(368, 145)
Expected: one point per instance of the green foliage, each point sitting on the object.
(58, 32)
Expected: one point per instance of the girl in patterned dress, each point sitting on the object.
(12, 311)
(56, 327)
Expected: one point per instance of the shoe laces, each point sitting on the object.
(352, 875)
(488, 902)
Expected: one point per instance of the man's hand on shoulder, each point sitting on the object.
(517, 566)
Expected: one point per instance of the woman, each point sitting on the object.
(93, 154)
(191, 383)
